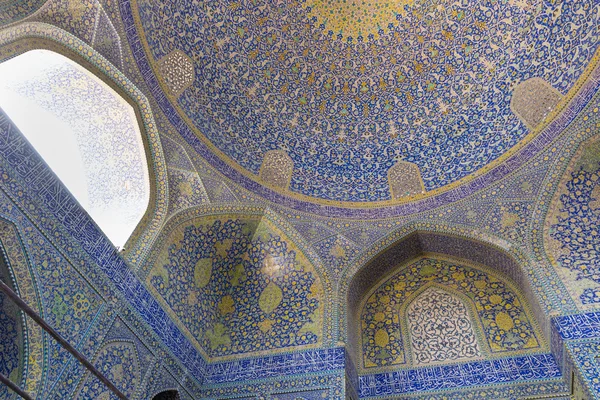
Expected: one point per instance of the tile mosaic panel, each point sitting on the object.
(440, 328)
(549, 389)
(332, 382)
(490, 306)
(570, 236)
(118, 361)
(586, 356)
(106, 40)
(477, 373)
(298, 363)
(177, 70)
(238, 285)
(405, 180)
(304, 395)
(578, 326)
(271, 76)
(277, 169)
(12, 340)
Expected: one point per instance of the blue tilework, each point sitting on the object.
(345, 123)
(514, 162)
(281, 365)
(506, 370)
(586, 356)
(578, 326)
(303, 395)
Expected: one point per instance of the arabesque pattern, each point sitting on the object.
(239, 286)
(433, 88)
(501, 321)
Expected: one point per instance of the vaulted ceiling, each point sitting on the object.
(350, 88)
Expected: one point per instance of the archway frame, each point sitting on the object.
(526, 275)
(478, 326)
(21, 38)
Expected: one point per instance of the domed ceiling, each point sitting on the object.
(350, 87)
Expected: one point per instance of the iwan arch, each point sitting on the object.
(393, 202)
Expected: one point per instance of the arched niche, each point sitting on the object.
(417, 244)
(167, 395)
(24, 37)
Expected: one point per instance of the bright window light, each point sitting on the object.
(85, 132)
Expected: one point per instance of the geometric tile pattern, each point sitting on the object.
(513, 380)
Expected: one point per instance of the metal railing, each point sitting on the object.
(4, 288)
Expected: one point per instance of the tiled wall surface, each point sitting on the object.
(117, 317)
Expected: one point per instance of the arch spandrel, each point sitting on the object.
(570, 234)
(219, 267)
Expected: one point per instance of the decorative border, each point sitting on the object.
(536, 367)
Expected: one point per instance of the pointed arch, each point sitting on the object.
(216, 256)
(21, 38)
(438, 316)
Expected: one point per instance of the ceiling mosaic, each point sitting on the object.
(348, 89)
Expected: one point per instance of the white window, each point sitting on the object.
(85, 131)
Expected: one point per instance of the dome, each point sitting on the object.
(350, 88)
